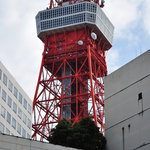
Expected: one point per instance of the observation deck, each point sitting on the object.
(75, 16)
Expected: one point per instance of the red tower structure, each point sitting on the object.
(76, 34)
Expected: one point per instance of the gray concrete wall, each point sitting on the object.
(8, 142)
(128, 74)
(127, 117)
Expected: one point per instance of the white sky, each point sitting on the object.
(21, 50)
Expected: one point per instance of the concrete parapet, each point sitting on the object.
(9, 142)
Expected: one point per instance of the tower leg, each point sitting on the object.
(91, 83)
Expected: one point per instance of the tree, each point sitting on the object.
(61, 133)
(84, 135)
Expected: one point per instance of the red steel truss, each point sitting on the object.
(54, 3)
(71, 81)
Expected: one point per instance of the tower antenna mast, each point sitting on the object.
(59, 2)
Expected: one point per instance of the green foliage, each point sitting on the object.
(84, 135)
(61, 133)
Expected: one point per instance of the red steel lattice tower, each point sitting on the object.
(76, 34)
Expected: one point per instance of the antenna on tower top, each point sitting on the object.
(69, 2)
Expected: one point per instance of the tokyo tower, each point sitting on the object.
(76, 35)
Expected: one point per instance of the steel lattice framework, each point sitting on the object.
(71, 80)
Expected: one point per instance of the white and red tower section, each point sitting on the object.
(76, 35)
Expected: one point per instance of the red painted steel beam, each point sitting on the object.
(79, 90)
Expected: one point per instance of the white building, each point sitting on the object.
(127, 106)
(15, 106)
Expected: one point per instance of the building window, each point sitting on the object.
(29, 108)
(129, 127)
(140, 96)
(3, 95)
(14, 107)
(1, 128)
(140, 102)
(25, 104)
(10, 86)
(9, 102)
(24, 118)
(15, 92)
(7, 131)
(8, 117)
(0, 74)
(19, 113)
(20, 98)
(14, 123)
(123, 139)
(19, 128)
(3, 111)
(28, 136)
(4, 79)
(29, 123)
(23, 133)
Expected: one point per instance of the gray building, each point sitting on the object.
(9, 142)
(127, 105)
(15, 106)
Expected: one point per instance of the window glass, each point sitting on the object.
(20, 98)
(7, 131)
(3, 111)
(29, 108)
(29, 123)
(25, 104)
(14, 123)
(1, 128)
(23, 133)
(10, 86)
(4, 95)
(15, 92)
(24, 118)
(9, 102)
(20, 113)
(14, 107)
(0, 74)
(28, 136)
(4, 79)
(140, 96)
(19, 128)
(8, 117)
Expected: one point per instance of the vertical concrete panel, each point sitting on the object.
(66, 113)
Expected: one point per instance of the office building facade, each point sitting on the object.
(15, 106)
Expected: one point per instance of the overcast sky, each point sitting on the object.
(21, 50)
